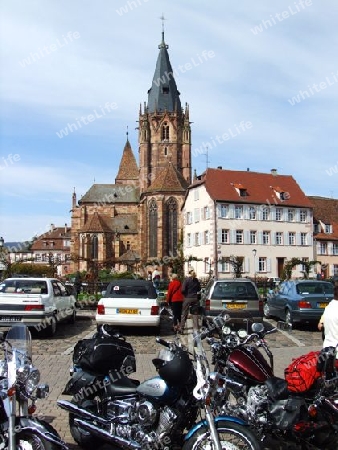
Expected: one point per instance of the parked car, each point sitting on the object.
(129, 302)
(299, 300)
(36, 302)
(238, 296)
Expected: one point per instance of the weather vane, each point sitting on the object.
(163, 19)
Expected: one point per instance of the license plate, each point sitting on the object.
(235, 305)
(127, 311)
(322, 305)
(10, 319)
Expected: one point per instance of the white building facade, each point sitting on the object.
(242, 214)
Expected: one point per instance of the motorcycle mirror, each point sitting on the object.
(257, 327)
(284, 326)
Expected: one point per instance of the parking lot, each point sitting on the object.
(54, 357)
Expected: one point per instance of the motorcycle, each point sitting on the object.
(110, 407)
(279, 416)
(19, 390)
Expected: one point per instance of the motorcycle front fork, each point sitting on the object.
(212, 427)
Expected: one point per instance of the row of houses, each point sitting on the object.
(263, 218)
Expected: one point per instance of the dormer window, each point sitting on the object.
(165, 90)
(241, 190)
(281, 193)
(328, 229)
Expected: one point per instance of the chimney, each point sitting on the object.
(65, 228)
(248, 169)
(219, 167)
(52, 227)
(273, 171)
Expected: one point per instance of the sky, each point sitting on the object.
(260, 78)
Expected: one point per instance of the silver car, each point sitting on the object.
(238, 296)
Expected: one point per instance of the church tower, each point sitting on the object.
(164, 128)
(164, 162)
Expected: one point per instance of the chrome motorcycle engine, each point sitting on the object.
(257, 404)
(141, 421)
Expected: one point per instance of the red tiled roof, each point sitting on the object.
(96, 224)
(325, 210)
(168, 179)
(259, 187)
(52, 240)
(128, 169)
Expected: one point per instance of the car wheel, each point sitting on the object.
(266, 310)
(72, 317)
(288, 317)
(50, 330)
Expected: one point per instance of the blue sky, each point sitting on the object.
(272, 65)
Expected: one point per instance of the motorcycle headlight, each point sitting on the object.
(22, 373)
(32, 380)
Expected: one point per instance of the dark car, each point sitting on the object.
(238, 296)
(299, 300)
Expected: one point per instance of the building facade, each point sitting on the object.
(266, 219)
(137, 220)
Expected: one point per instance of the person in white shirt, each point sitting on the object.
(329, 320)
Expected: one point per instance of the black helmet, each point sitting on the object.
(174, 366)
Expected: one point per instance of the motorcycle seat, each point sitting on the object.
(277, 388)
(122, 385)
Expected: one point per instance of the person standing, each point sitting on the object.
(190, 289)
(156, 276)
(175, 299)
(329, 321)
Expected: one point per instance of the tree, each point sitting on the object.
(293, 262)
(236, 263)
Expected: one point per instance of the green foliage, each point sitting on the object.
(293, 262)
(33, 270)
(236, 263)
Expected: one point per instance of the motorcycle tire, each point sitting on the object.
(81, 436)
(232, 437)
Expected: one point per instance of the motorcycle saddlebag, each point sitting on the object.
(302, 372)
(101, 355)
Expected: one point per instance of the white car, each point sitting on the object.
(129, 303)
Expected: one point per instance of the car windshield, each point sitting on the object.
(131, 291)
(314, 288)
(23, 286)
(230, 290)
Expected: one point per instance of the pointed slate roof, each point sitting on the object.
(168, 179)
(128, 169)
(96, 224)
(163, 94)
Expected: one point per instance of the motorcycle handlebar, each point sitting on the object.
(162, 342)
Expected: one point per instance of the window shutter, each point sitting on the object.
(268, 265)
(218, 210)
(231, 211)
(260, 237)
(219, 236)
(298, 239)
(232, 236)
(247, 265)
(246, 237)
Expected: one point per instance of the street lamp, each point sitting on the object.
(254, 251)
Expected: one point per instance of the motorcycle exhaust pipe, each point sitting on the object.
(103, 434)
(83, 413)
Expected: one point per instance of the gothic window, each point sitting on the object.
(165, 131)
(94, 247)
(153, 215)
(171, 219)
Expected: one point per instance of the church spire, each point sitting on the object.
(163, 94)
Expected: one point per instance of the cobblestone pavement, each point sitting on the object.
(53, 357)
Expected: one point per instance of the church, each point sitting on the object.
(136, 221)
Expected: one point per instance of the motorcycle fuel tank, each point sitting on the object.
(157, 389)
(251, 363)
